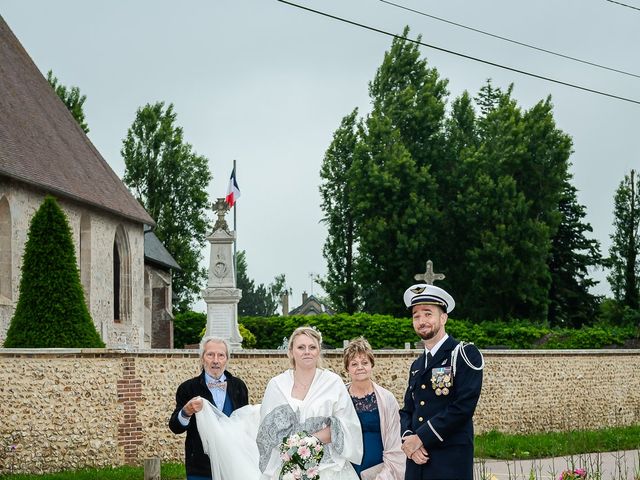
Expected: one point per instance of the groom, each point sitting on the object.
(214, 384)
(444, 387)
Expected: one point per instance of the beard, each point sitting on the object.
(430, 334)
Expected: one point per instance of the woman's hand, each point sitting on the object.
(323, 435)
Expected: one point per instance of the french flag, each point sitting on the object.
(233, 191)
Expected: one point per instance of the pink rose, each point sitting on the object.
(285, 456)
(313, 472)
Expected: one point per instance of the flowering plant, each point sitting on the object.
(300, 454)
(575, 474)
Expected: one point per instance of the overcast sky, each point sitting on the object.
(267, 84)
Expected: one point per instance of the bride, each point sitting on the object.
(303, 398)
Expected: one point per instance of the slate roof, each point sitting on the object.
(312, 306)
(41, 144)
(155, 252)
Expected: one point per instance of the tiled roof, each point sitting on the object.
(41, 143)
(155, 252)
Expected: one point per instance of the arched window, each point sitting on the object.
(6, 291)
(121, 276)
(85, 256)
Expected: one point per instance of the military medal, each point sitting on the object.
(441, 380)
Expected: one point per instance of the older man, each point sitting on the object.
(216, 385)
(444, 387)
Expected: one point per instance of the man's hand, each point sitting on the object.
(414, 449)
(194, 405)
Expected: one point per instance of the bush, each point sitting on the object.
(248, 338)
(187, 328)
(384, 331)
(51, 310)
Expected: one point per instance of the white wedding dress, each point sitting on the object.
(241, 445)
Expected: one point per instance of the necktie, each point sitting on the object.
(220, 385)
(429, 359)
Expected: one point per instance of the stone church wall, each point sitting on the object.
(66, 409)
(99, 229)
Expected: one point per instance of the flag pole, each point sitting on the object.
(235, 240)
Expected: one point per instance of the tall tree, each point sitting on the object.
(572, 255)
(624, 258)
(72, 98)
(257, 300)
(339, 249)
(170, 180)
(51, 309)
(394, 205)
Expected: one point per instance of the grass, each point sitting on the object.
(489, 445)
(556, 444)
(168, 471)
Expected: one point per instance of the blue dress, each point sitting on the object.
(367, 410)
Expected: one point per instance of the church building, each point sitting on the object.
(126, 280)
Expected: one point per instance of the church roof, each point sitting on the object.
(155, 251)
(41, 144)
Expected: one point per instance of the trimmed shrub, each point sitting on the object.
(188, 328)
(51, 310)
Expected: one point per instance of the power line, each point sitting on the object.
(475, 59)
(623, 4)
(540, 49)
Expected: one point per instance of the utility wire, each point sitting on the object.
(623, 4)
(511, 40)
(475, 59)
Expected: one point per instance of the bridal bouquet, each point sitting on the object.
(576, 474)
(300, 454)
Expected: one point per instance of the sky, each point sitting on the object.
(266, 84)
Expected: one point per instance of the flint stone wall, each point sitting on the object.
(66, 409)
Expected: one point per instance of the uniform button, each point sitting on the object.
(423, 386)
(422, 402)
(420, 419)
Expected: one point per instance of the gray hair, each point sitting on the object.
(211, 338)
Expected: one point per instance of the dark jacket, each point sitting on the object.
(196, 461)
(443, 422)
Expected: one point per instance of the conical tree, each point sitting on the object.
(51, 310)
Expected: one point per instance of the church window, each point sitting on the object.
(121, 277)
(5, 250)
(85, 256)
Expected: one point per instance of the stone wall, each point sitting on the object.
(66, 409)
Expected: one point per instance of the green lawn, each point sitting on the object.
(490, 445)
(508, 447)
(169, 471)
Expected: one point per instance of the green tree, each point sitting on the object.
(623, 258)
(339, 248)
(257, 300)
(170, 180)
(72, 98)
(51, 309)
(393, 202)
(572, 255)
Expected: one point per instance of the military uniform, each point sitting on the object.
(440, 401)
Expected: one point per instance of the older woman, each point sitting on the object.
(308, 398)
(377, 410)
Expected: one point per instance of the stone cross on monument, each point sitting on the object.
(221, 294)
(429, 276)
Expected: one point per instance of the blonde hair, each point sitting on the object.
(357, 346)
(310, 332)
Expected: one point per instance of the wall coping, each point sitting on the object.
(118, 352)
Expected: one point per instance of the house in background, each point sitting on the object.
(310, 306)
(44, 151)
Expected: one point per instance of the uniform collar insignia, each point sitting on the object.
(413, 372)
